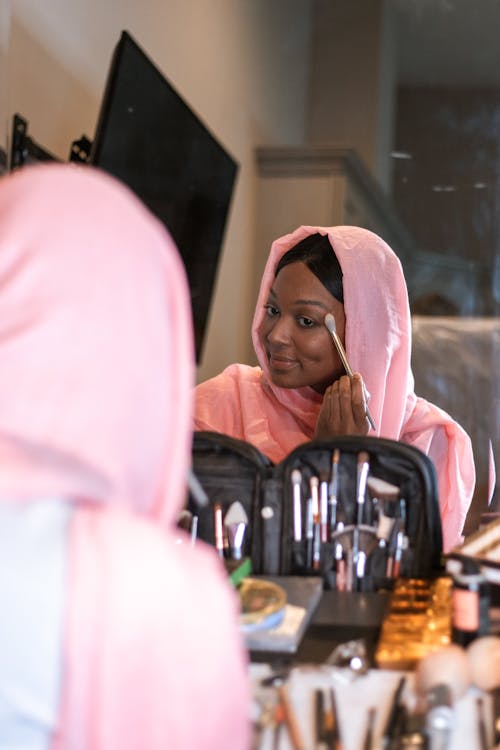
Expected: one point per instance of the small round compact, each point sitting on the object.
(262, 604)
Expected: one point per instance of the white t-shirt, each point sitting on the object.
(33, 563)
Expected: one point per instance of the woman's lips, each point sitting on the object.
(281, 363)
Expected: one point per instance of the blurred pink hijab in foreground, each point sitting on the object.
(244, 402)
(95, 409)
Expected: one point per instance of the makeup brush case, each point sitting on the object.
(384, 523)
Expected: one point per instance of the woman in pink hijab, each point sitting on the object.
(300, 390)
(113, 634)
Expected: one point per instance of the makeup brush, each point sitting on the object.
(316, 555)
(236, 522)
(369, 731)
(394, 722)
(218, 530)
(441, 678)
(384, 495)
(290, 718)
(189, 522)
(332, 327)
(335, 731)
(296, 478)
(334, 490)
(323, 507)
(363, 467)
(198, 493)
(309, 532)
(484, 658)
(314, 487)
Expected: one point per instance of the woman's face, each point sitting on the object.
(299, 348)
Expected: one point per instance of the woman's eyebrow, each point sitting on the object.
(313, 302)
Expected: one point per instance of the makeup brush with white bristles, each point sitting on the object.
(332, 328)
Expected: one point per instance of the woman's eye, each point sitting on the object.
(306, 322)
(271, 311)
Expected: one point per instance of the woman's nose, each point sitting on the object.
(279, 332)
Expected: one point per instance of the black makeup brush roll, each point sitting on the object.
(357, 511)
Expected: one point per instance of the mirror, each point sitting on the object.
(399, 98)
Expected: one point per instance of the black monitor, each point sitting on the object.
(149, 138)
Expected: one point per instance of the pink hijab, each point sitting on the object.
(96, 376)
(378, 345)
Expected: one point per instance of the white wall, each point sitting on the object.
(241, 64)
(353, 80)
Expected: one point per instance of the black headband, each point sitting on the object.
(318, 255)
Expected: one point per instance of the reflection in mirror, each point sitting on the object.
(402, 138)
(445, 188)
(381, 113)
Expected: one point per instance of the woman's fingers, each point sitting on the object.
(344, 408)
(359, 401)
(349, 416)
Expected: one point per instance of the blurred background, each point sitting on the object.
(379, 113)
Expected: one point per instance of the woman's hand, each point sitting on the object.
(343, 411)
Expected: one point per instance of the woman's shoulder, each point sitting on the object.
(233, 376)
(220, 401)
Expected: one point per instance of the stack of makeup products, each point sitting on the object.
(358, 511)
(352, 530)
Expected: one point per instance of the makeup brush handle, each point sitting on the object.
(342, 354)
(370, 419)
(290, 719)
(349, 371)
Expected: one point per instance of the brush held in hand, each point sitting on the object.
(332, 327)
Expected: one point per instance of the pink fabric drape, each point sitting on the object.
(243, 402)
(95, 408)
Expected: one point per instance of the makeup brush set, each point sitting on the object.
(359, 511)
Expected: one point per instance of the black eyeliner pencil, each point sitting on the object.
(319, 716)
(393, 726)
(335, 733)
(370, 724)
(481, 725)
